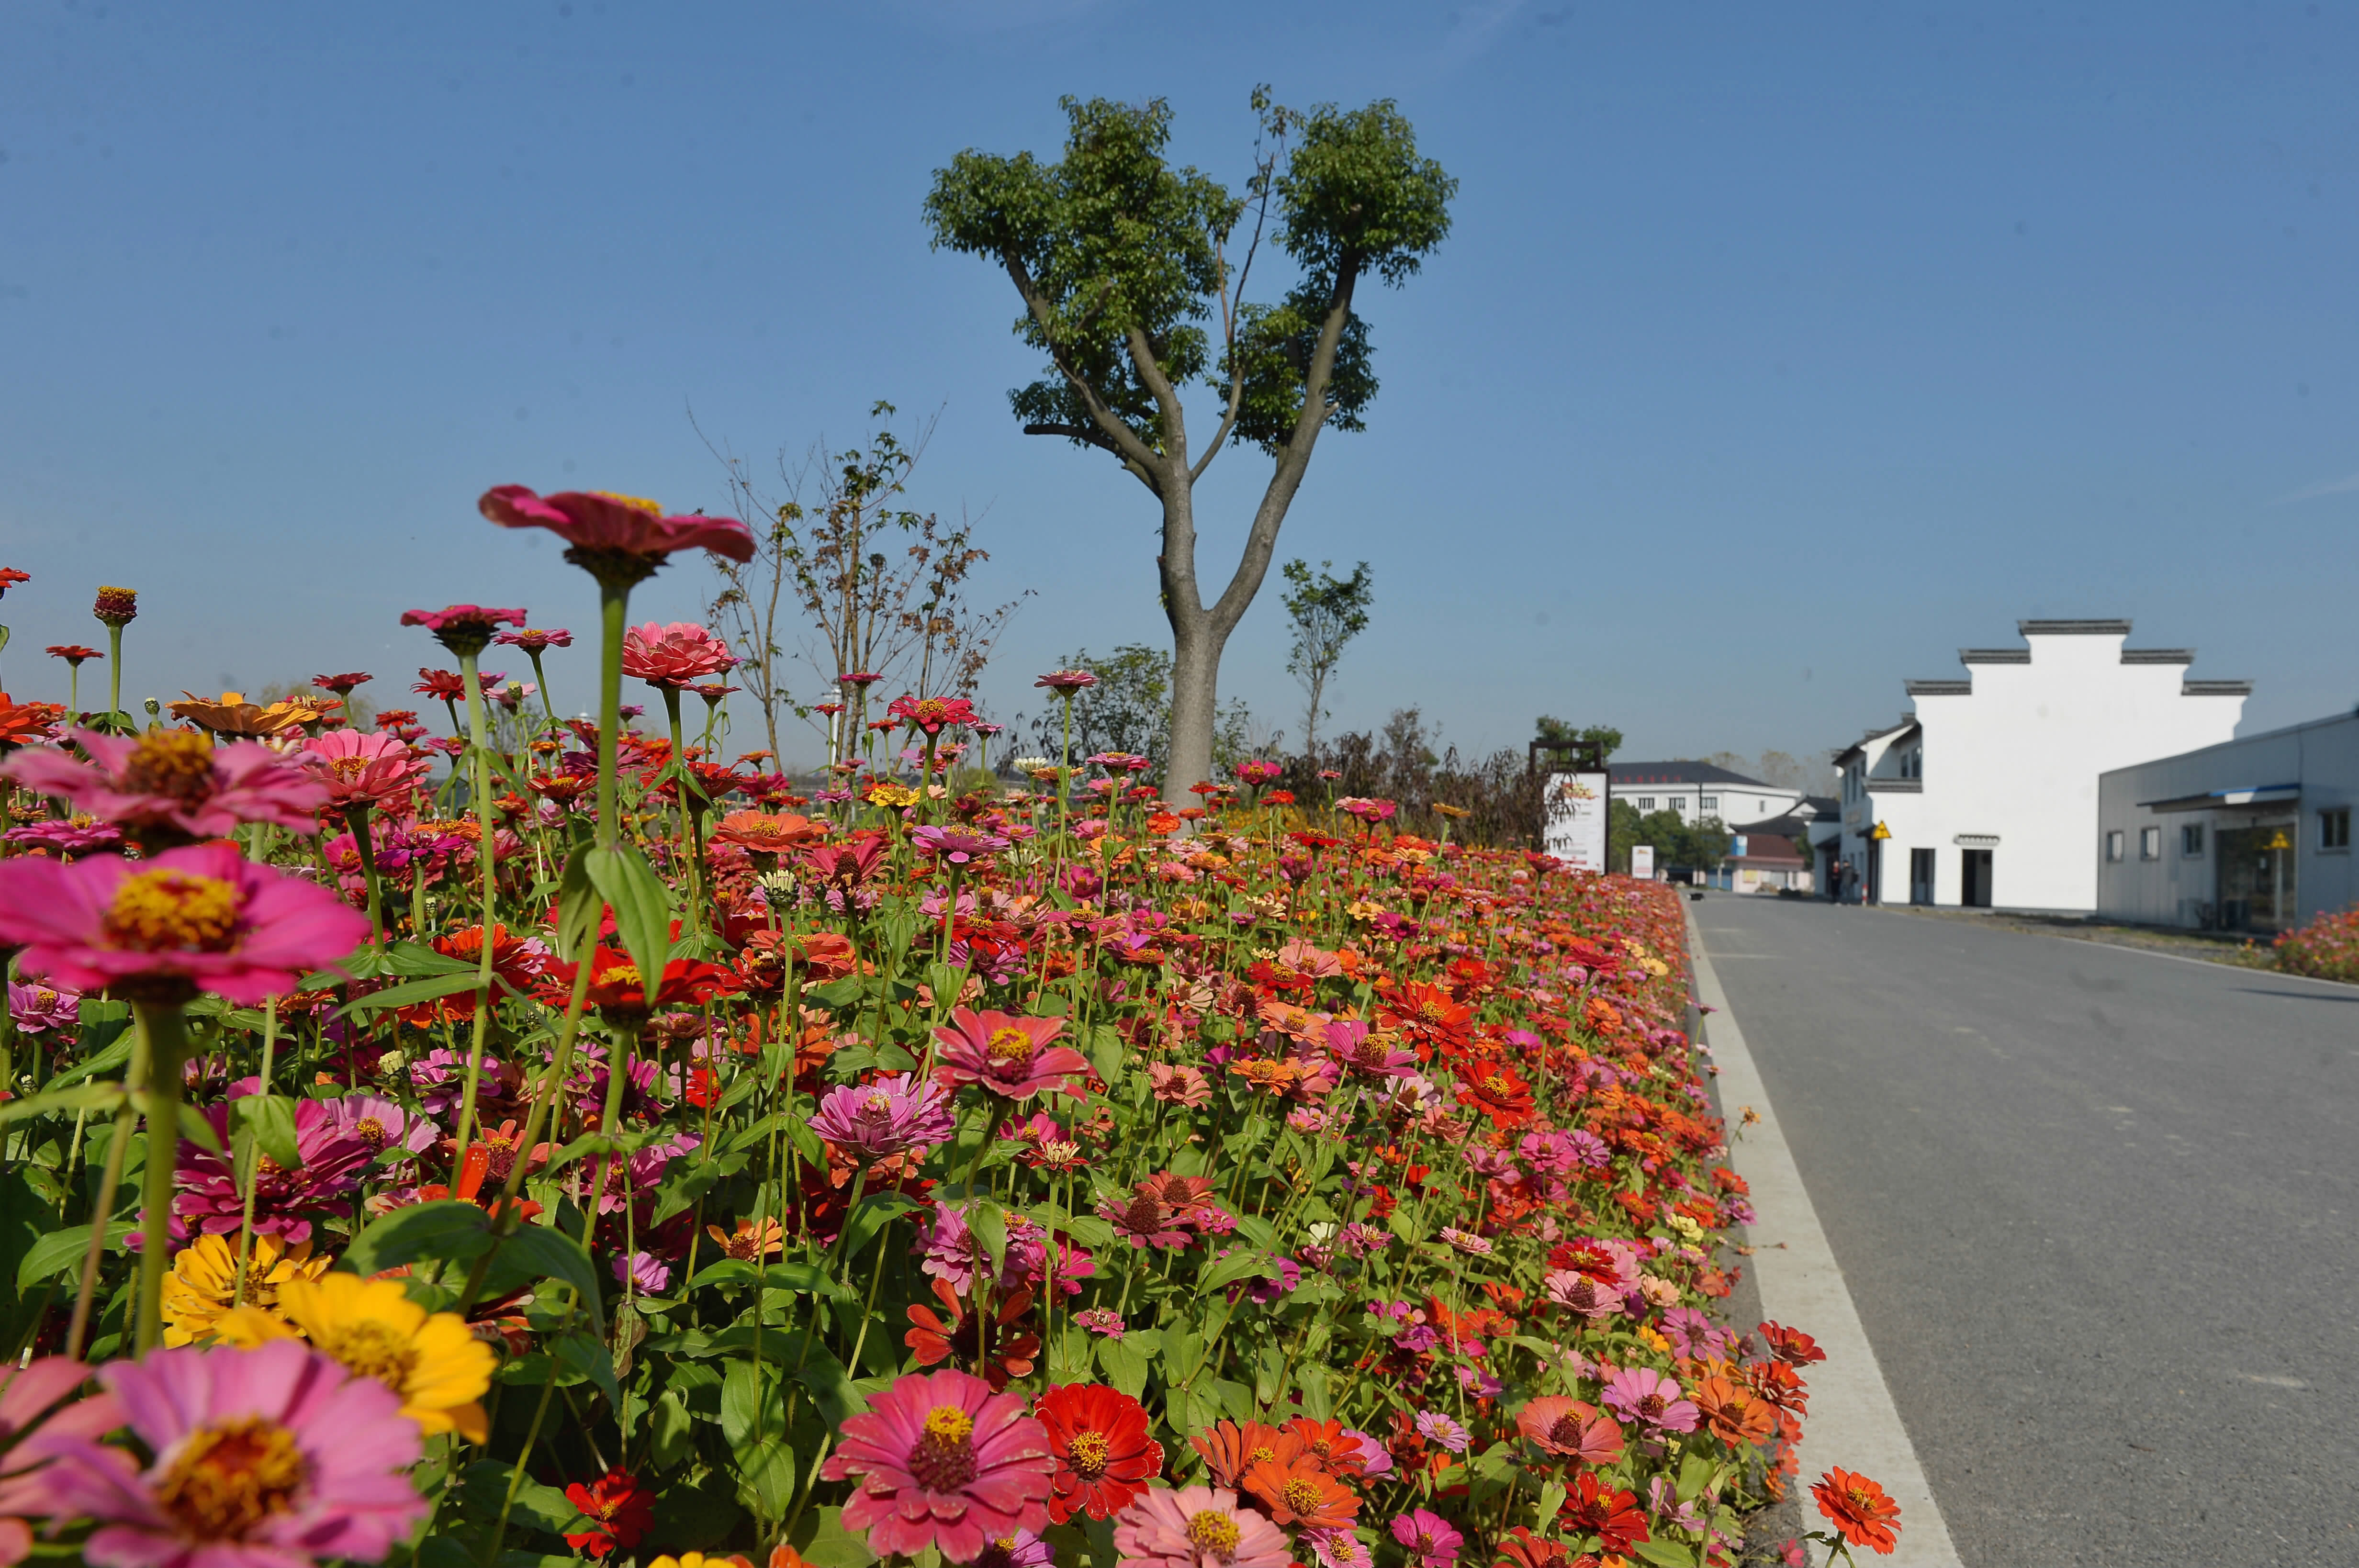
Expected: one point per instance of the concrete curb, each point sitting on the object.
(1851, 1422)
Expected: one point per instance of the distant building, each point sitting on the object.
(2251, 835)
(1763, 862)
(1699, 790)
(1987, 796)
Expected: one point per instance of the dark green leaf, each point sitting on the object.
(101, 1097)
(444, 1229)
(269, 1119)
(60, 1250)
(642, 910)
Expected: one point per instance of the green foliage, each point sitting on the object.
(1607, 739)
(1677, 841)
(1328, 612)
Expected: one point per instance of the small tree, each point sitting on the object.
(1118, 258)
(1560, 732)
(837, 561)
(1328, 612)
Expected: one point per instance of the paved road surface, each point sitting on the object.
(2099, 1212)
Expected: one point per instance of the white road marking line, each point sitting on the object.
(1851, 1422)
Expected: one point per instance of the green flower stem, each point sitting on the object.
(548, 704)
(356, 816)
(101, 1210)
(614, 616)
(113, 670)
(167, 1044)
(252, 1175)
(479, 784)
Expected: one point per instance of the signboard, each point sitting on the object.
(1642, 862)
(1575, 830)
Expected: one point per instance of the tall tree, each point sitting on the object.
(1120, 259)
(1328, 611)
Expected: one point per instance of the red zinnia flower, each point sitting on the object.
(1791, 1346)
(1009, 1353)
(621, 1510)
(443, 685)
(342, 685)
(1009, 1056)
(932, 715)
(1859, 1508)
(10, 577)
(674, 654)
(1614, 1518)
(73, 653)
(1571, 1428)
(1104, 1457)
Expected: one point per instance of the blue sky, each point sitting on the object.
(1776, 354)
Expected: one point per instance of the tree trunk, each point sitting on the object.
(1196, 645)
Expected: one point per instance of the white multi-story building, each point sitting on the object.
(1699, 790)
(1987, 796)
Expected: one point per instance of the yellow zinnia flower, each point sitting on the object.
(438, 1367)
(699, 1560)
(202, 1285)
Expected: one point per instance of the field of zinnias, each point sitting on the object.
(591, 1148)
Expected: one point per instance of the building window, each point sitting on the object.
(2149, 843)
(2191, 841)
(1646, 802)
(2114, 844)
(2334, 828)
(1709, 803)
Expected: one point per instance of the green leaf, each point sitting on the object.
(540, 1507)
(409, 991)
(192, 1123)
(836, 993)
(415, 958)
(579, 907)
(587, 1354)
(804, 1279)
(544, 1252)
(106, 1060)
(831, 1386)
(742, 1396)
(1553, 1497)
(269, 1119)
(823, 1541)
(1125, 1365)
(446, 1229)
(766, 1477)
(1107, 1053)
(1183, 1352)
(1666, 1553)
(876, 1211)
(1236, 1267)
(642, 910)
(101, 1097)
(60, 1250)
(989, 1225)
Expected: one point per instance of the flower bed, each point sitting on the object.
(2326, 949)
(962, 1174)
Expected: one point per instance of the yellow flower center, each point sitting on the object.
(622, 974)
(942, 1459)
(230, 1477)
(1213, 1532)
(1259, 1454)
(1089, 1453)
(370, 1131)
(641, 502)
(1007, 1045)
(374, 1350)
(177, 763)
(1301, 1495)
(948, 1424)
(166, 911)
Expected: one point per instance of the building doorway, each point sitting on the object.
(1920, 875)
(2256, 877)
(1976, 892)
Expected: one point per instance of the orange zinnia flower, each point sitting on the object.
(1331, 1445)
(1299, 1492)
(1734, 1412)
(1859, 1508)
(1231, 1450)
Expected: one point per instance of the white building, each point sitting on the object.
(1698, 790)
(2252, 835)
(1987, 796)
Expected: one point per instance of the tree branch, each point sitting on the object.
(1121, 439)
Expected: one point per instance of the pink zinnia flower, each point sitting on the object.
(265, 1458)
(1437, 1428)
(614, 525)
(37, 1009)
(362, 768)
(1179, 1086)
(199, 919)
(1431, 1539)
(463, 628)
(534, 639)
(174, 780)
(958, 848)
(1568, 1287)
(24, 1394)
(1643, 1394)
(1197, 1527)
(1571, 1428)
(946, 1462)
(1008, 1055)
(885, 1117)
(674, 654)
(1065, 682)
(333, 1154)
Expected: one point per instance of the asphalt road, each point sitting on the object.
(2099, 1210)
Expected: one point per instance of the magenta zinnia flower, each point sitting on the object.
(945, 1463)
(1196, 1527)
(608, 523)
(883, 1117)
(1010, 1056)
(334, 1153)
(265, 1459)
(1431, 1539)
(1643, 1394)
(537, 639)
(463, 628)
(203, 918)
(674, 654)
(173, 779)
(958, 848)
(362, 768)
(37, 1009)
